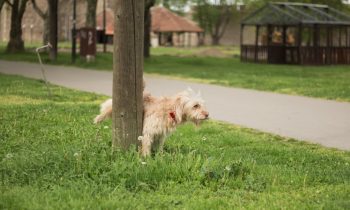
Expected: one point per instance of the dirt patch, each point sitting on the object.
(211, 53)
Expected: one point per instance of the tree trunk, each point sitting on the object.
(16, 43)
(45, 17)
(215, 40)
(46, 30)
(91, 14)
(53, 18)
(127, 73)
(147, 29)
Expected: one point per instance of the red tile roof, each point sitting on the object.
(163, 20)
(109, 21)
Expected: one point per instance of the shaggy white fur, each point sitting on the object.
(162, 115)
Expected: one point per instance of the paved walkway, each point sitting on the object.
(314, 120)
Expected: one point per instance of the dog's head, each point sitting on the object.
(191, 107)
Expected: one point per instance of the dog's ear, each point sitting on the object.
(179, 105)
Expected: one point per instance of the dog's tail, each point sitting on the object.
(106, 108)
(105, 111)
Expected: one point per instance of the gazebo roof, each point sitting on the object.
(164, 20)
(296, 13)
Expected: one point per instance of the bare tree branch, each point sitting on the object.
(40, 12)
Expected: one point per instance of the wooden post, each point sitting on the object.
(127, 73)
(243, 57)
(300, 37)
(256, 53)
(284, 41)
(339, 44)
(74, 31)
(53, 19)
(316, 54)
(104, 27)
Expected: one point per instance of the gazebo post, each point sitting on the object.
(316, 44)
(340, 36)
(347, 45)
(329, 43)
(241, 42)
(347, 36)
(284, 41)
(189, 39)
(159, 39)
(284, 35)
(300, 30)
(269, 42)
(257, 28)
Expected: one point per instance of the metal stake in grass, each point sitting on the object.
(42, 66)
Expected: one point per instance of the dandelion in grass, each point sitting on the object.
(8, 156)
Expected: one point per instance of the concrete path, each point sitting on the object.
(314, 120)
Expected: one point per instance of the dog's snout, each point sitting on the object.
(206, 114)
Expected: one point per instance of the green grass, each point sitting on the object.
(330, 82)
(53, 157)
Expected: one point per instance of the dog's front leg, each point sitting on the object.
(161, 144)
(146, 145)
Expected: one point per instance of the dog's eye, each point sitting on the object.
(196, 106)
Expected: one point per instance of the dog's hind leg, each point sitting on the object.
(146, 145)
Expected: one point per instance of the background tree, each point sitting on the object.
(53, 20)
(16, 43)
(147, 29)
(214, 17)
(45, 17)
(177, 6)
(91, 13)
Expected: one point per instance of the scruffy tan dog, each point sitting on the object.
(162, 115)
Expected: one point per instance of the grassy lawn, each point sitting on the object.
(53, 157)
(330, 82)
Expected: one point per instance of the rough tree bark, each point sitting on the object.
(53, 19)
(127, 74)
(2, 2)
(147, 29)
(16, 43)
(45, 17)
(91, 13)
